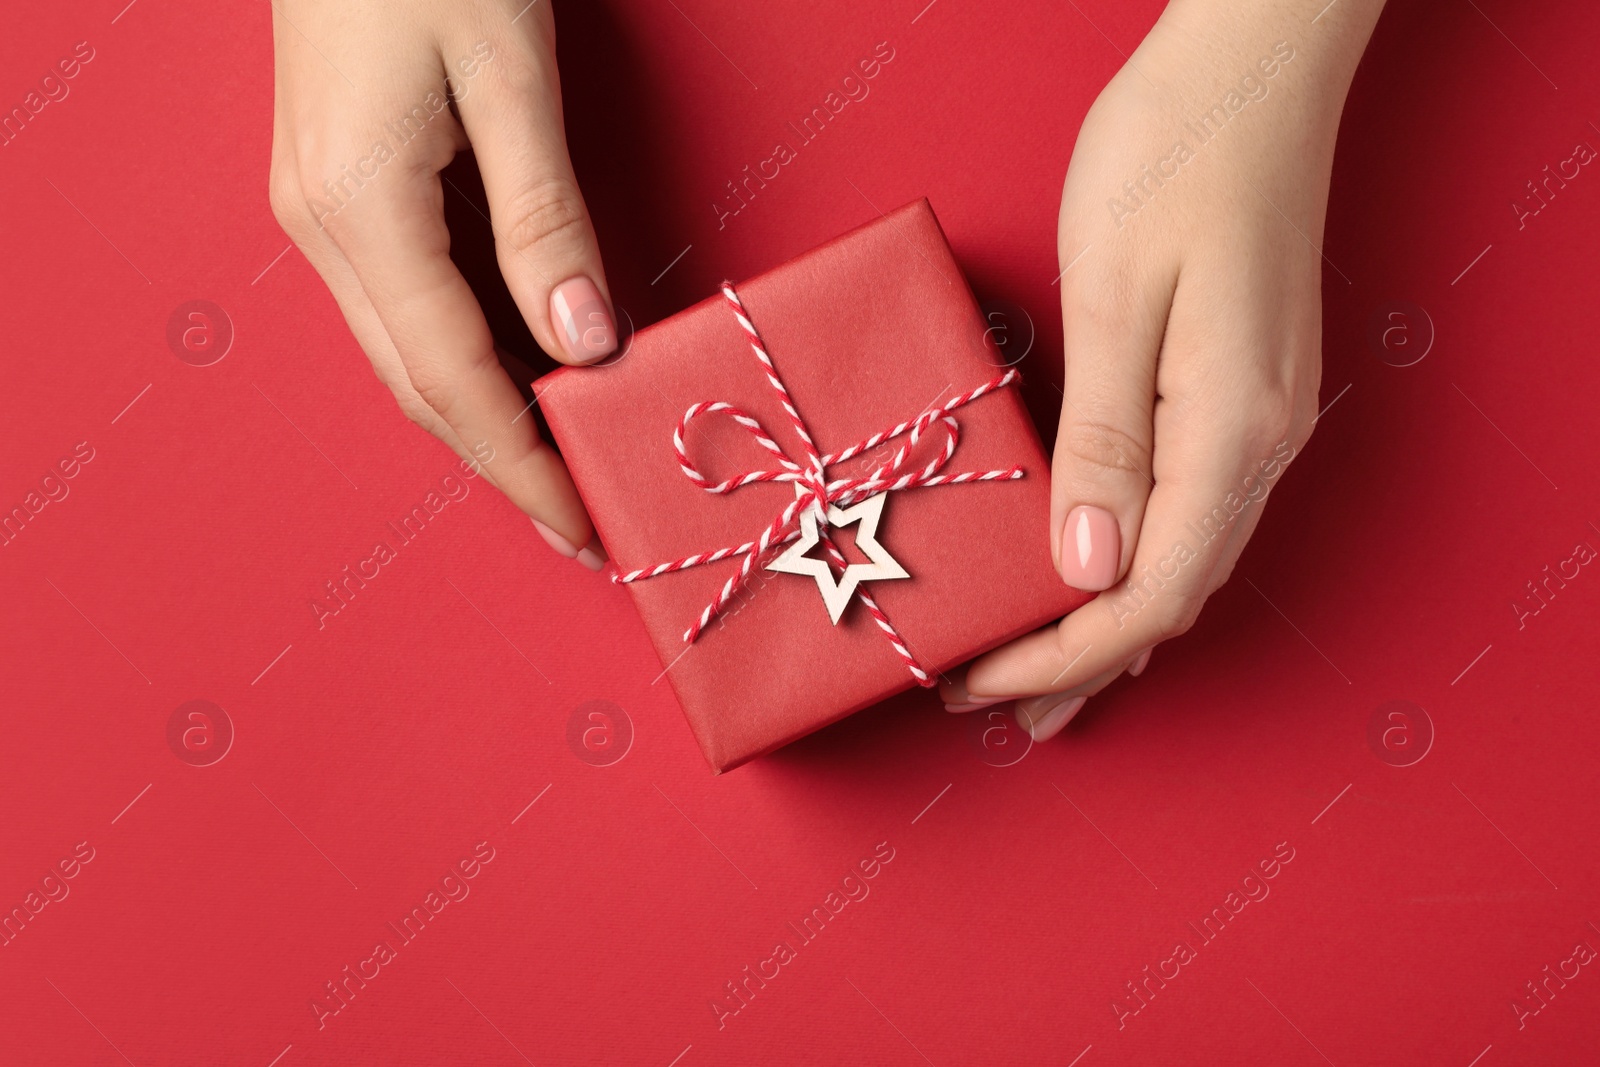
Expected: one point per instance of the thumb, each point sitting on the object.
(544, 240)
(1102, 466)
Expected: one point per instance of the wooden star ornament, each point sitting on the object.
(836, 592)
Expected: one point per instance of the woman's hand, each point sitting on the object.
(1189, 241)
(372, 101)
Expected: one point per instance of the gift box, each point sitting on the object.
(841, 420)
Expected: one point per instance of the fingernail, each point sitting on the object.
(587, 329)
(1091, 548)
(556, 541)
(1046, 725)
(1140, 662)
(974, 703)
(959, 696)
(591, 559)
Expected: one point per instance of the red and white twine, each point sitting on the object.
(815, 490)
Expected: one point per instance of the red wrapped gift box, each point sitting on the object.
(866, 332)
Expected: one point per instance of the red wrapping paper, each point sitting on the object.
(868, 330)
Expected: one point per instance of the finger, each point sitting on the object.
(953, 688)
(1101, 475)
(1048, 716)
(395, 241)
(544, 239)
(957, 700)
(329, 263)
(1045, 716)
(1051, 712)
(1200, 462)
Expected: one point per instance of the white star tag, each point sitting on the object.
(836, 593)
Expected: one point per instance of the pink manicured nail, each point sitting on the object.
(974, 703)
(556, 541)
(1091, 548)
(1140, 662)
(1045, 726)
(962, 700)
(593, 554)
(588, 332)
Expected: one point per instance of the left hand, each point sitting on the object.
(1192, 331)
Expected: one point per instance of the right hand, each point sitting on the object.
(1192, 332)
(361, 130)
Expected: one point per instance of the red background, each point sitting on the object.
(428, 714)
